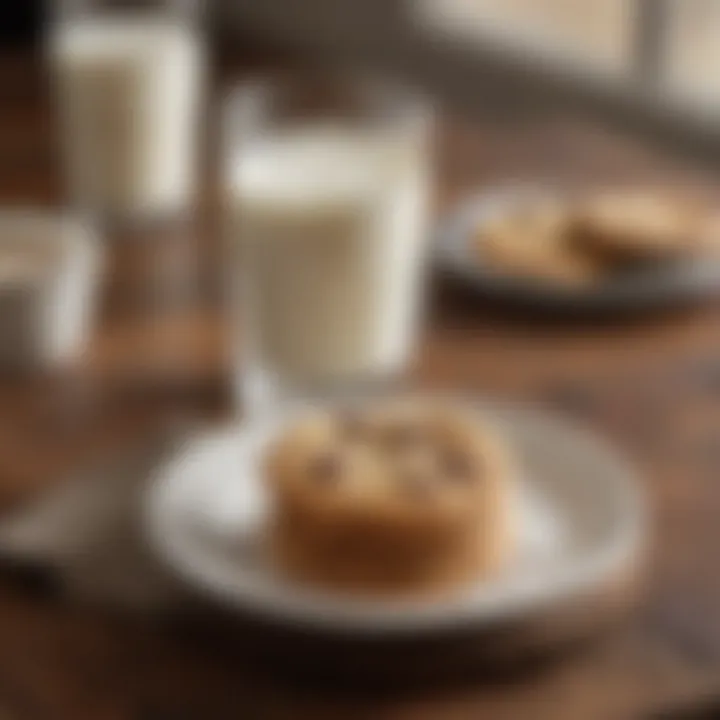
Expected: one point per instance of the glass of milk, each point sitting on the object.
(326, 184)
(127, 82)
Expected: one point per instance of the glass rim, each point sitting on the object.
(67, 10)
(382, 98)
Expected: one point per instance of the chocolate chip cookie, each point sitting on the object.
(395, 497)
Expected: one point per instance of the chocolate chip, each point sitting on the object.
(327, 469)
(458, 466)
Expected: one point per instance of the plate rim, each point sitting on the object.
(670, 288)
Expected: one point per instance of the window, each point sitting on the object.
(693, 51)
(595, 33)
(649, 66)
(675, 43)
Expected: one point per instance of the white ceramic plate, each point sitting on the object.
(654, 286)
(581, 514)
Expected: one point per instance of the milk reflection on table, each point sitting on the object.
(329, 224)
(127, 87)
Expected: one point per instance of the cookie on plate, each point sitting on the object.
(398, 497)
(533, 243)
(638, 225)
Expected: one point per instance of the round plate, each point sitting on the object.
(655, 286)
(580, 513)
(581, 516)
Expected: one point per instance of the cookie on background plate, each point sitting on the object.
(533, 242)
(626, 226)
(400, 497)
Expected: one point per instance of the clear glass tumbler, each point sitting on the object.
(326, 196)
(128, 79)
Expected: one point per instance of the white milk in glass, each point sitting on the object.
(330, 228)
(128, 93)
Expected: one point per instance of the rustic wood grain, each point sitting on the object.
(160, 353)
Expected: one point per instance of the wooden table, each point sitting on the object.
(652, 384)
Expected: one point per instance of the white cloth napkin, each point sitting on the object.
(87, 533)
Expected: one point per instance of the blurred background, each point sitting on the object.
(567, 91)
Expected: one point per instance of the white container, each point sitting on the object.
(332, 225)
(326, 222)
(127, 87)
(49, 268)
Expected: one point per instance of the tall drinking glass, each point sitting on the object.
(326, 186)
(128, 79)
